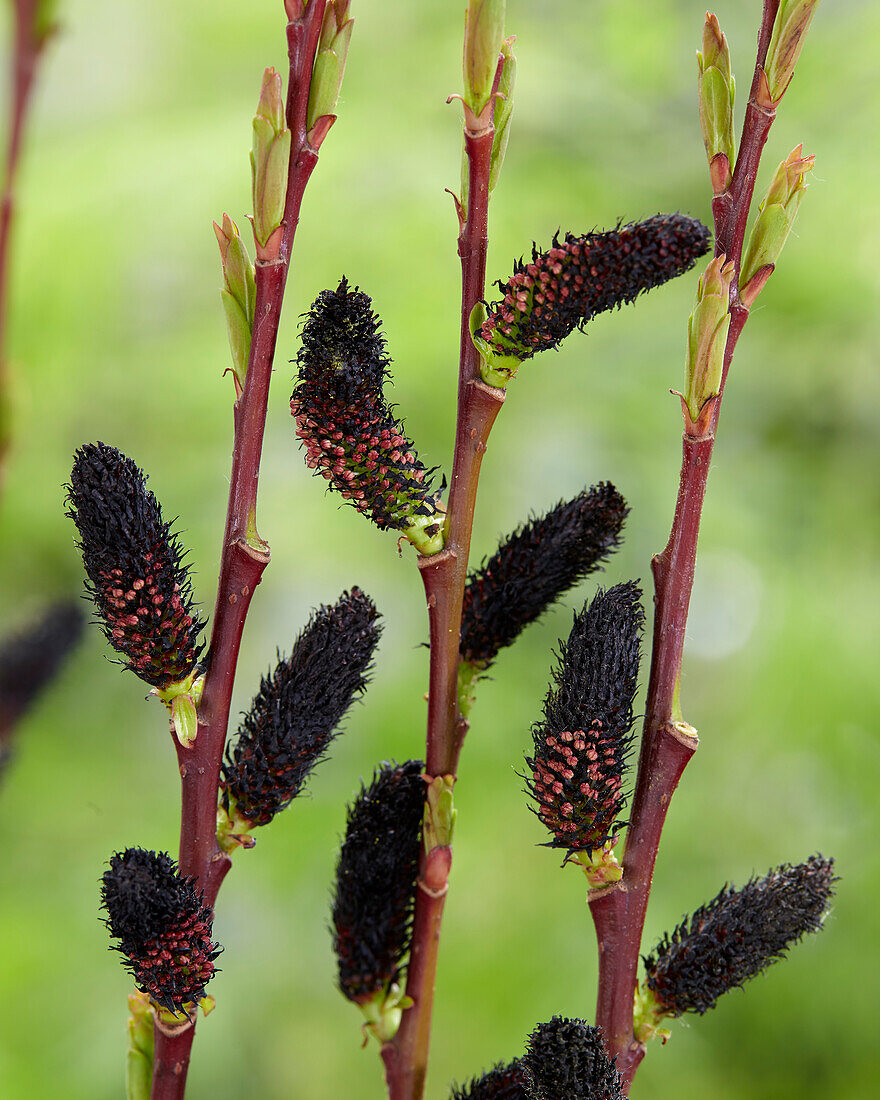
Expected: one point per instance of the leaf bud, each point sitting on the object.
(707, 336)
(716, 95)
(483, 37)
(793, 18)
(270, 158)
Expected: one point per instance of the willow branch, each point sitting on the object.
(444, 576)
(244, 555)
(667, 742)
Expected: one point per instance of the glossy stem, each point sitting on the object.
(29, 40)
(667, 742)
(444, 577)
(244, 555)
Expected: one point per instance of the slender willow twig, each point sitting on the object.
(244, 555)
(29, 41)
(444, 576)
(667, 742)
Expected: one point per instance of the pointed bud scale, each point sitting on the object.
(793, 18)
(737, 935)
(351, 436)
(270, 157)
(716, 95)
(298, 709)
(562, 289)
(502, 1082)
(776, 216)
(483, 35)
(238, 295)
(535, 565)
(707, 335)
(582, 744)
(376, 880)
(503, 110)
(162, 925)
(134, 565)
(329, 61)
(566, 1060)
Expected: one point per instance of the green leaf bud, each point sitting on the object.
(776, 216)
(483, 36)
(270, 156)
(716, 94)
(790, 27)
(329, 62)
(238, 295)
(707, 335)
(503, 110)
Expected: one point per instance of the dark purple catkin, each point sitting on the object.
(162, 925)
(562, 289)
(737, 935)
(566, 1060)
(376, 880)
(134, 565)
(350, 434)
(29, 659)
(582, 744)
(536, 565)
(502, 1082)
(297, 711)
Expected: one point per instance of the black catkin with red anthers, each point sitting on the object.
(350, 434)
(162, 924)
(582, 744)
(737, 935)
(376, 880)
(134, 565)
(29, 659)
(563, 288)
(566, 1060)
(297, 711)
(502, 1082)
(536, 565)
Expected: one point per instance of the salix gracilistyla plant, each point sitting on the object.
(351, 436)
(731, 939)
(162, 926)
(137, 578)
(375, 891)
(297, 712)
(394, 864)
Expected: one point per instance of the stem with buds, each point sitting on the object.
(444, 577)
(668, 742)
(244, 555)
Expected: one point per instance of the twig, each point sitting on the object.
(30, 39)
(444, 576)
(667, 742)
(244, 555)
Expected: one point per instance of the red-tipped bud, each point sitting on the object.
(350, 435)
(376, 881)
(737, 935)
(162, 925)
(534, 566)
(134, 565)
(582, 744)
(567, 1058)
(298, 709)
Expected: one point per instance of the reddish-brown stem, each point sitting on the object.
(444, 576)
(29, 40)
(244, 555)
(668, 743)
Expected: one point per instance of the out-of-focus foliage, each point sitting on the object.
(139, 137)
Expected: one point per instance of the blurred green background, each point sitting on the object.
(139, 137)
